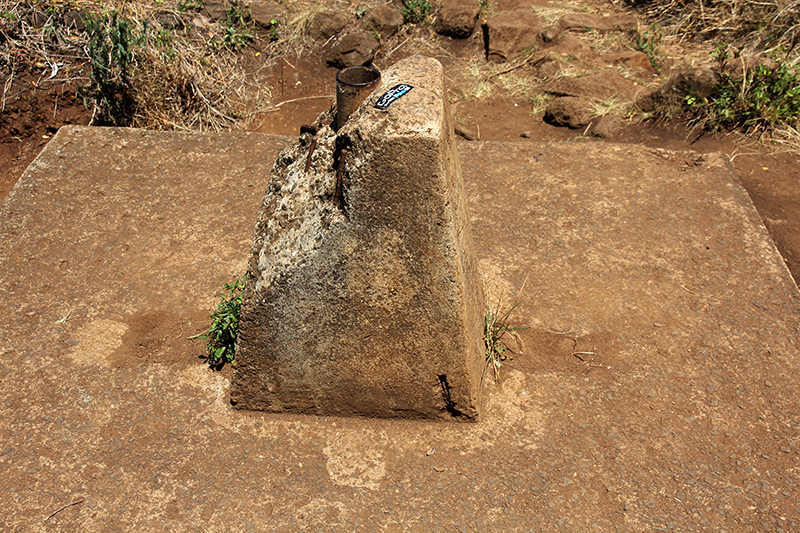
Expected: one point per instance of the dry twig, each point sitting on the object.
(64, 507)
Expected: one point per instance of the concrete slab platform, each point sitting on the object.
(658, 388)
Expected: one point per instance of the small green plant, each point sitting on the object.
(190, 5)
(111, 48)
(360, 12)
(272, 31)
(649, 43)
(221, 336)
(495, 327)
(236, 28)
(415, 11)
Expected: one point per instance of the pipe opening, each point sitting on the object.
(353, 85)
(358, 75)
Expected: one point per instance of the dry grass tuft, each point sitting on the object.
(186, 77)
(763, 26)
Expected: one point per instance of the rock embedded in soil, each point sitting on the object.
(737, 67)
(384, 19)
(326, 24)
(457, 18)
(551, 34)
(263, 12)
(629, 58)
(601, 85)
(464, 132)
(216, 9)
(590, 21)
(568, 111)
(698, 81)
(574, 48)
(548, 67)
(363, 294)
(512, 33)
(608, 126)
(353, 49)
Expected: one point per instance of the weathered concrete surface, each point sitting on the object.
(685, 418)
(363, 295)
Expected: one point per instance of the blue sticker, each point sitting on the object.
(391, 95)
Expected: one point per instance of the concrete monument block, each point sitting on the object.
(363, 294)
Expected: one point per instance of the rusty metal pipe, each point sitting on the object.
(353, 85)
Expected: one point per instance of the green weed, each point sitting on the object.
(762, 98)
(649, 43)
(236, 28)
(495, 327)
(112, 41)
(415, 11)
(272, 31)
(221, 336)
(190, 5)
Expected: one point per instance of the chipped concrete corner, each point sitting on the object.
(363, 295)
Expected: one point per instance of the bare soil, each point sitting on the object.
(33, 111)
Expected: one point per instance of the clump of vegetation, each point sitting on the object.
(649, 43)
(761, 98)
(415, 11)
(222, 335)
(495, 327)
(237, 28)
(111, 50)
(134, 69)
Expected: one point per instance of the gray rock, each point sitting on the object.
(457, 18)
(353, 49)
